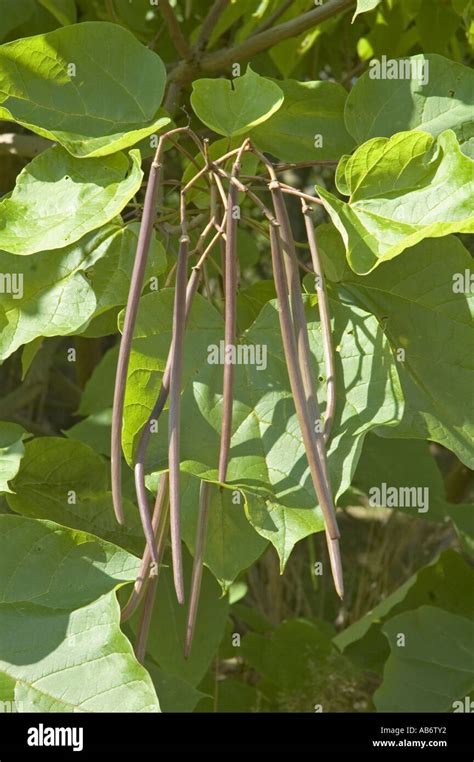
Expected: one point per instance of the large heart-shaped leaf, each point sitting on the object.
(402, 190)
(424, 302)
(434, 666)
(382, 107)
(309, 126)
(59, 584)
(66, 481)
(94, 89)
(232, 107)
(58, 199)
(78, 660)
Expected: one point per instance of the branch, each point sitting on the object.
(174, 29)
(216, 62)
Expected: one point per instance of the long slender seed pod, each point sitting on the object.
(139, 469)
(230, 318)
(159, 523)
(145, 620)
(174, 420)
(304, 359)
(289, 344)
(125, 344)
(301, 336)
(160, 403)
(199, 546)
(325, 322)
(136, 285)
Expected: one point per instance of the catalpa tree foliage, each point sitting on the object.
(236, 340)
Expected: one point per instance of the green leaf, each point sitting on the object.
(402, 190)
(59, 584)
(403, 464)
(98, 392)
(168, 626)
(311, 112)
(382, 107)
(176, 695)
(434, 668)
(50, 566)
(62, 10)
(94, 431)
(66, 481)
(7, 693)
(58, 471)
(282, 526)
(267, 453)
(445, 583)
(427, 315)
(58, 199)
(364, 6)
(106, 88)
(57, 297)
(77, 661)
(287, 657)
(11, 452)
(251, 300)
(232, 545)
(233, 107)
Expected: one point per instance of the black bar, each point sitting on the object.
(377, 735)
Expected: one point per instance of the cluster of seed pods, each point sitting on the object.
(165, 517)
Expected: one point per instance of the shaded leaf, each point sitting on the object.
(423, 314)
(311, 110)
(382, 107)
(433, 669)
(445, 583)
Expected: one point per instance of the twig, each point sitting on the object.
(209, 23)
(174, 29)
(273, 17)
(325, 319)
(199, 547)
